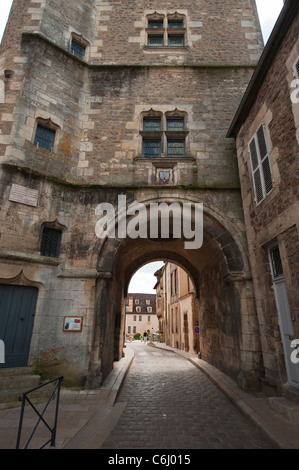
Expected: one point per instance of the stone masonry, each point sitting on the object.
(96, 105)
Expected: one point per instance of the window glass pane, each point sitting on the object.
(155, 24)
(262, 142)
(151, 124)
(151, 148)
(276, 262)
(77, 49)
(175, 24)
(51, 240)
(258, 186)
(155, 41)
(175, 41)
(175, 124)
(176, 148)
(254, 159)
(44, 137)
(267, 175)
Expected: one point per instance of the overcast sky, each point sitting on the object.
(268, 10)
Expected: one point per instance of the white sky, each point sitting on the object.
(268, 11)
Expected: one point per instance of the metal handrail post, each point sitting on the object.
(23, 397)
(53, 437)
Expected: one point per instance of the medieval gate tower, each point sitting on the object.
(130, 98)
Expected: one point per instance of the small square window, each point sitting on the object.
(77, 49)
(176, 148)
(155, 24)
(175, 125)
(176, 41)
(152, 148)
(51, 241)
(276, 262)
(152, 125)
(175, 24)
(44, 137)
(155, 41)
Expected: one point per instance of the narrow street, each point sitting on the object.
(170, 404)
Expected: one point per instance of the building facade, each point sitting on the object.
(141, 315)
(111, 102)
(266, 128)
(177, 308)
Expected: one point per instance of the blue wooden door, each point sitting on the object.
(17, 309)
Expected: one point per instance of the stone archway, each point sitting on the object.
(221, 275)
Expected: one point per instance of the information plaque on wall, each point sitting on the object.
(72, 323)
(23, 195)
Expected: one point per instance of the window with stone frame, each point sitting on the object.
(44, 137)
(164, 135)
(260, 165)
(78, 45)
(166, 31)
(296, 68)
(276, 263)
(77, 49)
(50, 242)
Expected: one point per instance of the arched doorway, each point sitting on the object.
(220, 274)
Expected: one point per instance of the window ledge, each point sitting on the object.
(165, 159)
(166, 48)
(30, 258)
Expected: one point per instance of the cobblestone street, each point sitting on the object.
(170, 404)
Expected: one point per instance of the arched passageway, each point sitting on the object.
(226, 312)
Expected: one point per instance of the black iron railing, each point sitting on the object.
(24, 398)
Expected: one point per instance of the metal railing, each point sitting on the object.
(24, 398)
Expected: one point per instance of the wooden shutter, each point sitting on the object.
(260, 165)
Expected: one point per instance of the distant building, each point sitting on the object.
(141, 314)
(176, 308)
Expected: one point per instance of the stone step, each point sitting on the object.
(14, 382)
(14, 371)
(288, 409)
(19, 382)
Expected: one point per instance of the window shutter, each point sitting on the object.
(260, 164)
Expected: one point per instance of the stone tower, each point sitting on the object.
(127, 98)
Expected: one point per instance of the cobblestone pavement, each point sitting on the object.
(173, 405)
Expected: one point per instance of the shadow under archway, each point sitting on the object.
(225, 300)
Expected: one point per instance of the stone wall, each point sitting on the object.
(96, 106)
(276, 217)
